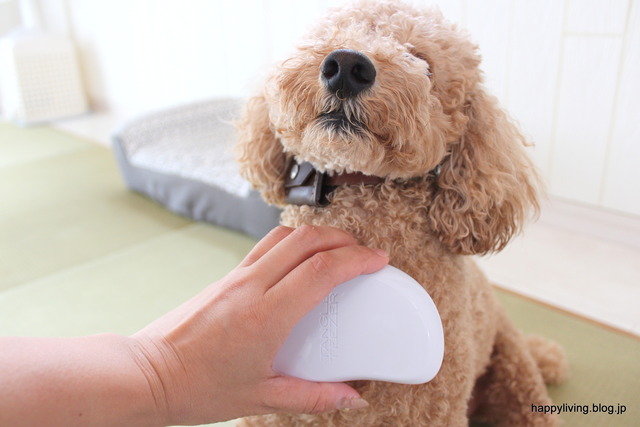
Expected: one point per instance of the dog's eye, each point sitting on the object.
(420, 57)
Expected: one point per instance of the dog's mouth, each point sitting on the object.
(338, 120)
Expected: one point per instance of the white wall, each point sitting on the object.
(9, 16)
(568, 70)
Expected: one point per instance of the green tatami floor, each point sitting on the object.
(80, 254)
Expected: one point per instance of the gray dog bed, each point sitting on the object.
(181, 157)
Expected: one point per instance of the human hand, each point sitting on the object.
(210, 359)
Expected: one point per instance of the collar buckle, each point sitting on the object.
(304, 185)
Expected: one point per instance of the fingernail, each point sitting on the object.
(381, 252)
(348, 403)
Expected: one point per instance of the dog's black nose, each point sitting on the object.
(347, 72)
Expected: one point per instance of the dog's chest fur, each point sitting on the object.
(394, 218)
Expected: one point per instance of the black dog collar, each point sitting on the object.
(304, 185)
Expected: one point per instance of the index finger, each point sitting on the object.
(301, 244)
(309, 283)
(275, 236)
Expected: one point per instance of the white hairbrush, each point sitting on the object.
(381, 326)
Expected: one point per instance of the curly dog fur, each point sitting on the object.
(426, 108)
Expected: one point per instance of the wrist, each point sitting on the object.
(141, 404)
(157, 364)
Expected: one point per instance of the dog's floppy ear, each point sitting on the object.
(258, 151)
(487, 186)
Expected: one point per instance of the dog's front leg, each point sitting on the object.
(512, 384)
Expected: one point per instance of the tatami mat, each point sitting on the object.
(20, 147)
(123, 291)
(604, 365)
(80, 254)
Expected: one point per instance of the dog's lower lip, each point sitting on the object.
(334, 116)
(338, 120)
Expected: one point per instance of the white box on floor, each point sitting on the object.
(39, 78)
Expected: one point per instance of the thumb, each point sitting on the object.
(289, 394)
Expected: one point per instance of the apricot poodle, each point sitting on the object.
(379, 125)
